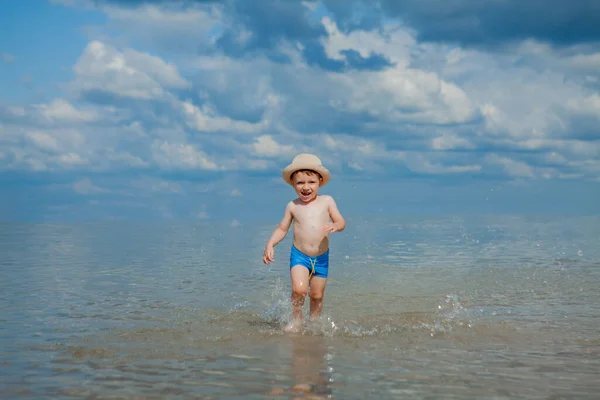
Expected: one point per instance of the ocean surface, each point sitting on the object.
(415, 307)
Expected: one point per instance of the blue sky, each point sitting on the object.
(189, 110)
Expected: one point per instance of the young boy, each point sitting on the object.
(315, 217)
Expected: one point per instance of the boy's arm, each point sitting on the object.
(278, 234)
(339, 223)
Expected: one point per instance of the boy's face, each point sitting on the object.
(306, 185)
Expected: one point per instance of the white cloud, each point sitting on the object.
(402, 95)
(179, 27)
(169, 19)
(493, 117)
(423, 163)
(71, 160)
(207, 120)
(62, 110)
(236, 193)
(36, 165)
(184, 156)
(245, 86)
(355, 166)
(530, 92)
(513, 168)
(261, 111)
(43, 140)
(589, 105)
(589, 167)
(397, 93)
(554, 158)
(130, 73)
(392, 42)
(586, 61)
(346, 143)
(17, 111)
(257, 164)
(58, 141)
(450, 142)
(519, 119)
(44, 156)
(576, 148)
(123, 158)
(85, 186)
(266, 146)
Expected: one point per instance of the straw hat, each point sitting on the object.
(305, 161)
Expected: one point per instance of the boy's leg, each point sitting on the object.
(317, 290)
(299, 275)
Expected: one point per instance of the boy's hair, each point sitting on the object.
(306, 171)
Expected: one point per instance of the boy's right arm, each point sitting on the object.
(278, 234)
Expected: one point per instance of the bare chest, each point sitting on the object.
(312, 215)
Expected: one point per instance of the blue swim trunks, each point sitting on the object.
(317, 266)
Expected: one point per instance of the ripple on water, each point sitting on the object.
(448, 308)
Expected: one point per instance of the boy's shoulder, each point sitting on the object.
(327, 199)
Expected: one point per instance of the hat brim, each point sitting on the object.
(293, 167)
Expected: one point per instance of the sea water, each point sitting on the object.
(455, 307)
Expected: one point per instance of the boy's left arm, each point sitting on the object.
(339, 224)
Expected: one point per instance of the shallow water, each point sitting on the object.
(478, 307)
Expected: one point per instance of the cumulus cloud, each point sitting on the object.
(428, 163)
(251, 86)
(42, 140)
(516, 169)
(50, 150)
(266, 146)
(116, 159)
(589, 105)
(62, 110)
(102, 68)
(177, 155)
(590, 62)
(404, 95)
(392, 42)
(196, 20)
(206, 119)
(450, 142)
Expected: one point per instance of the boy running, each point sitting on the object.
(315, 217)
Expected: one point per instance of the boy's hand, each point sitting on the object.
(268, 255)
(330, 228)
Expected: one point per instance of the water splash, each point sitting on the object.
(323, 326)
(279, 310)
(239, 306)
(450, 314)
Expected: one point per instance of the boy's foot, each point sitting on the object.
(293, 327)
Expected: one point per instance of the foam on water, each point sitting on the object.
(449, 315)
